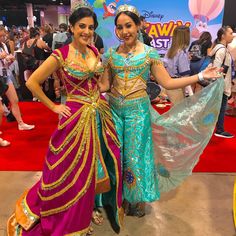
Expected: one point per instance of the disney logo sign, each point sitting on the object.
(151, 14)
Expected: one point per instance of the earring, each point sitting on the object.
(140, 36)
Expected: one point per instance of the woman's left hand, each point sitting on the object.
(212, 73)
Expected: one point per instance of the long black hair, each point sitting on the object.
(80, 13)
(133, 16)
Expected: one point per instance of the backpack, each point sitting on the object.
(206, 62)
(59, 40)
(28, 58)
(209, 60)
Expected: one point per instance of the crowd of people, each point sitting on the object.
(114, 151)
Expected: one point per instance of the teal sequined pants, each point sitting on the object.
(133, 125)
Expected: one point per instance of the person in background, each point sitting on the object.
(98, 43)
(198, 50)
(47, 38)
(24, 36)
(223, 59)
(11, 42)
(52, 27)
(62, 37)
(145, 37)
(48, 35)
(14, 29)
(3, 143)
(38, 50)
(177, 62)
(6, 60)
(232, 100)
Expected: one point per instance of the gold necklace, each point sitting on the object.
(130, 52)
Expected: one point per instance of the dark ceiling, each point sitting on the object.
(20, 4)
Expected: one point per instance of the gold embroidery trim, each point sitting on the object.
(81, 193)
(73, 164)
(72, 183)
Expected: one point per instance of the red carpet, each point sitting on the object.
(28, 148)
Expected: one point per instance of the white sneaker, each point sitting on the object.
(24, 126)
(35, 99)
(4, 143)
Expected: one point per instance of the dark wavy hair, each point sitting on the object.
(33, 32)
(133, 16)
(80, 14)
(205, 37)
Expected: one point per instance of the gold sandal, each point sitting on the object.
(90, 231)
(97, 217)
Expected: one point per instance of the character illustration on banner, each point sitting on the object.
(110, 9)
(202, 12)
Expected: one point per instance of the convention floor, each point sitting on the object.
(201, 206)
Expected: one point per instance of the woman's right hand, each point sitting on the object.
(62, 110)
(3, 55)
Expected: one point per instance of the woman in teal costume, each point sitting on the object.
(158, 152)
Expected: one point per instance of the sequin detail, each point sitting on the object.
(130, 178)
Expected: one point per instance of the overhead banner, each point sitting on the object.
(162, 18)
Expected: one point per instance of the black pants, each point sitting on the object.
(221, 118)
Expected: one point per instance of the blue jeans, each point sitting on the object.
(221, 118)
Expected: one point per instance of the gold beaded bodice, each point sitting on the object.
(130, 75)
(79, 75)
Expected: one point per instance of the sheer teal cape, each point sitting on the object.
(181, 134)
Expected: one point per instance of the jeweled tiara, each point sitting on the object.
(123, 8)
(75, 5)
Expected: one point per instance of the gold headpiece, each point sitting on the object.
(123, 8)
(76, 4)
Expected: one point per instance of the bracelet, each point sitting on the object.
(200, 76)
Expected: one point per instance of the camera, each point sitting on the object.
(225, 69)
(4, 72)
